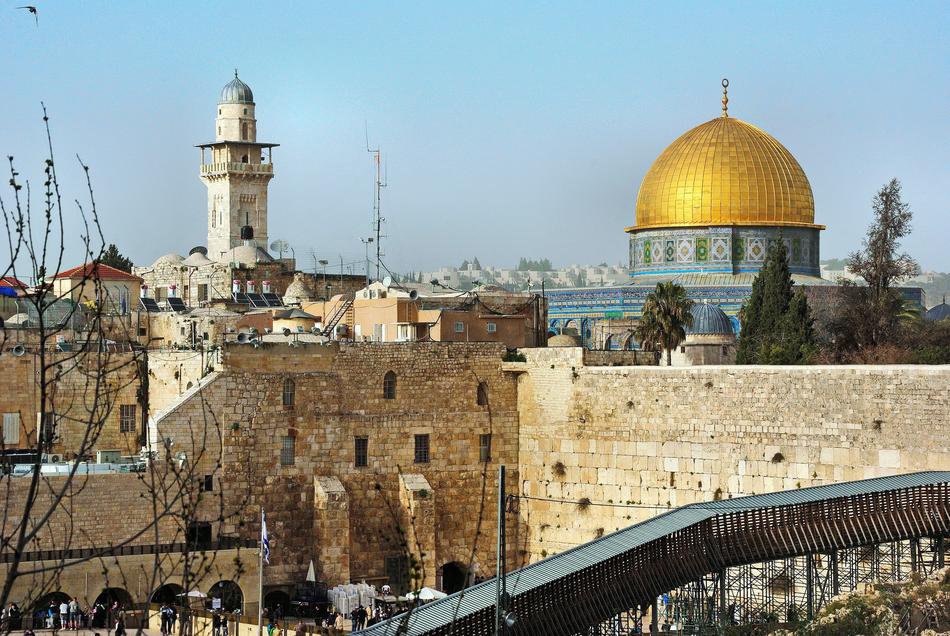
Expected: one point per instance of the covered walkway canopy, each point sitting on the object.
(570, 592)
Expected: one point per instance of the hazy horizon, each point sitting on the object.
(508, 130)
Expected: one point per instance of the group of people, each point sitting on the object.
(71, 614)
(169, 616)
(11, 619)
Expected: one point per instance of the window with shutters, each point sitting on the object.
(362, 451)
(127, 418)
(287, 448)
(422, 449)
(11, 429)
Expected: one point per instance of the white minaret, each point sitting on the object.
(236, 175)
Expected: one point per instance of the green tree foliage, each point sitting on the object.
(528, 265)
(666, 315)
(777, 327)
(872, 315)
(113, 258)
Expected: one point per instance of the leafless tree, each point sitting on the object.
(85, 360)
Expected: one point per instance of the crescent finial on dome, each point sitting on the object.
(725, 97)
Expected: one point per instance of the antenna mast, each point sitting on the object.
(377, 217)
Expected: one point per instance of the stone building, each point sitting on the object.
(369, 459)
(709, 340)
(396, 313)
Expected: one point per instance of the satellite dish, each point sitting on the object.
(413, 294)
(280, 246)
(198, 249)
(19, 350)
(286, 332)
(387, 281)
(242, 338)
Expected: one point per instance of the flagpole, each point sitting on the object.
(260, 579)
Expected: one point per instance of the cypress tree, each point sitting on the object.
(776, 322)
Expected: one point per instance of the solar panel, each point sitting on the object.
(273, 300)
(241, 297)
(177, 304)
(150, 305)
(257, 300)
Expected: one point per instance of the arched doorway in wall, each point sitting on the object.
(232, 598)
(112, 595)
(113, 599)
(454, 577)
(278, 602)
(609, 342)
(168, 593)
(40, 609)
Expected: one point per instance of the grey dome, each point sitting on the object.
(709, 320)
(938, 312)
(236, 92)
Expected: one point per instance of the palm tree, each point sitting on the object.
(666, 315)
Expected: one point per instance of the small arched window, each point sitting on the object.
(481, 394)
(290, 389)
(244, 130)
(389, 386)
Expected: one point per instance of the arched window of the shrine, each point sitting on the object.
(244, 131)
(389, 386)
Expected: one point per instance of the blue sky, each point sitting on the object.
(508, 129)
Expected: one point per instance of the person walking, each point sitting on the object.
(120, 623)
(64, 615)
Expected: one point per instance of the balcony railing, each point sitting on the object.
(228, 166)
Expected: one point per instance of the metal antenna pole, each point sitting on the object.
(500, 588)
(377, 217)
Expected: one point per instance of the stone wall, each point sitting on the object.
(172, 373)
(91, 511)
(338, 396)
(602, 448)
(86, 392)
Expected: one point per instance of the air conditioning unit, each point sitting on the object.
(108, 456)
(52, 458)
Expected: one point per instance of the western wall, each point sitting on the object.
(601, 448)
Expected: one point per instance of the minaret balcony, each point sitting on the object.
(212, 169)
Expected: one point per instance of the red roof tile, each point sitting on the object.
(97, 270)
(10, 281)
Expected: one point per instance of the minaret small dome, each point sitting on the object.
(236, 92)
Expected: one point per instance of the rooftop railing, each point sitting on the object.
(233, 166)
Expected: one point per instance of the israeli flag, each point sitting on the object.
(265, 543)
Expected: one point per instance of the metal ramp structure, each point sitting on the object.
(701, 561)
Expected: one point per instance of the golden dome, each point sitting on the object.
(725, 172)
